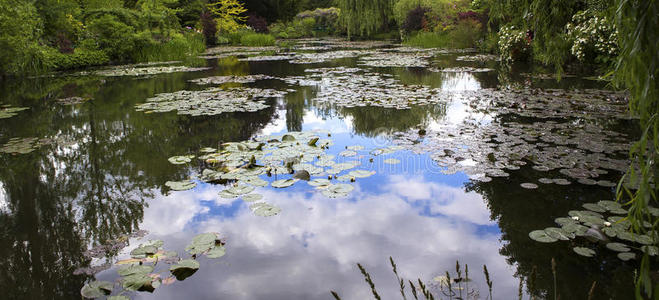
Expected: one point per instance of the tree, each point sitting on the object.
(637, 22)
(365, 17)
(228, 14)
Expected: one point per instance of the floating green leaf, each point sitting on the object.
(361, 173)
(541, 236)
(252, 197)
(283, 183)
(594, 207)
(184, 269)
(202, 243)
(183, 185)
(587, 252)
(263, 209)
(625, 256)
(179, 160)
(96, 289)
(618, 247)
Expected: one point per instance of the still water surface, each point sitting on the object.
(105, 177)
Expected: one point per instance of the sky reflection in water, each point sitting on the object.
(410, 211)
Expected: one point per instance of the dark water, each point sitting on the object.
(104, 177)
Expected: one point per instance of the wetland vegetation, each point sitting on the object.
(319, 149)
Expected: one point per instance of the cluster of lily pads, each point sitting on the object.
(231, 78)
(213, 101)
(22, 145)
(72, 100)
(142, 71)
(396, 59)
(581, 151)
(479, 58)
(350, 87)
(461, 70)
(7, 111)
(292, 157)
(141, 271)
(601, 222)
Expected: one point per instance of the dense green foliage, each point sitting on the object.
(637, 22)
(45, 35)
(365, 17)
(257, 40)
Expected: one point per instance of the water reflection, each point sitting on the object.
(314, 244)
(105, 177)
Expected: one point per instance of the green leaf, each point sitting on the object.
(587, 252)
(263, 209)
(217, 252)
(135, 270)
(184, 269)
(180, 185)
(541, 236)
(283, 183)
(252, 197)
(625, 256)
(96, 289)
(618, 247)
(202, 243)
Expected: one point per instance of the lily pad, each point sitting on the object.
(252, 197)
(184, 269)
(183, 185)
(319, 182)
(528, 185)
(96, 289)
(179, 160)
(361, 173)
(618, 247)
(263, 209)
(283, 183)
(587, 252)
(202, 243)
(541, 236)
(594, 207)
(625, 256)
(338, 190)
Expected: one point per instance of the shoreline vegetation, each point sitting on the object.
(614, 38)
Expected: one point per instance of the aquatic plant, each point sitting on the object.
(143, 271)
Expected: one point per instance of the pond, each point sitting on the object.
(425, 156)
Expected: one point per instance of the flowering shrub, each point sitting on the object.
(514, 44)
(592, 36)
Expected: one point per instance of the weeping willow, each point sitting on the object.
(638, 24)
(365, 17)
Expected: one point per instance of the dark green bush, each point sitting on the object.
(114, 36)
(80, 58)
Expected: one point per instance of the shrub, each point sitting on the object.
(465, 34)
(19, 30)
(209, 28)
(513, 44)
(593, 37)
(80, 58)
(113, 36)
(179, 47)
(235, 37)
(257, 40)
(257, 23)
(429, 40)
(415, 19)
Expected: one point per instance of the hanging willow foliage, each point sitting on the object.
(638, 21)
(365, 17)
